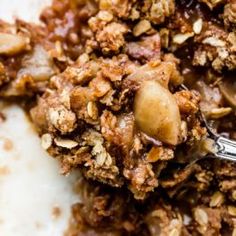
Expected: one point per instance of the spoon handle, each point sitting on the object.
(225, 148)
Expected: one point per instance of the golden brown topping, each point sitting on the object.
(38, 65)
(158, 10)
(217, 199)
(142, 27)
(230, 13)
(11, 44)
(159, 153)
(63, 119)
(187, 101)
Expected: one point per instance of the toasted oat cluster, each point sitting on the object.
(101, 80)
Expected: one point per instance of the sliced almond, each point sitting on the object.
(83, 58)
(92, 110)
(142, 27)
(181, 38)
(46, 141)
(11, 44)
(201, 216)
(65, 143)
(105, 16)
(217, 113)
(213, 41)
(217, 199)
(197, 26)
(101, 158)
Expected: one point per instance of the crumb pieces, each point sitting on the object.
(142, 27)
(65, 143)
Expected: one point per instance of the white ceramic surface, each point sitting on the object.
(35, 199)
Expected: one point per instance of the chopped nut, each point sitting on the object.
(65, 143)
(142, 27)
(217, 113)
(181, 38)
(83, 58)
(134, 14)
(11, 44)
(62, 119)
(197, 26)
(175, 227)
(160, 10)
(38, 65)
(215, 42)
(105, 16)
(232, 210)
(223, 53)
(92, 110)
(217, 199)
(101, 158)
(46, 141)
(201, 216)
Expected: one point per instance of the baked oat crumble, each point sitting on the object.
(101, 82)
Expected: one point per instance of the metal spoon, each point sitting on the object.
(222, 148)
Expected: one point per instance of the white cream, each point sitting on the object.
(31, 187)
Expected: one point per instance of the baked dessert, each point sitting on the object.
(101, 82)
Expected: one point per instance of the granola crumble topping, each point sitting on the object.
(101, 82)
